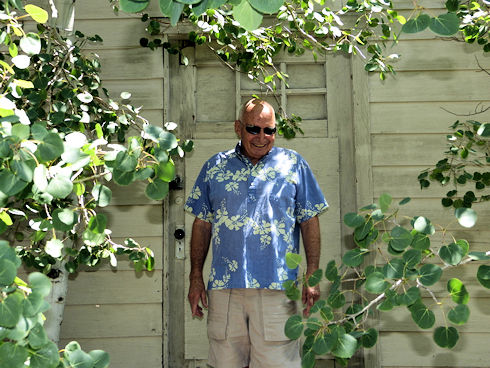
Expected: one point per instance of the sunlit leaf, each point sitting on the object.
(247, 16)
(293, 260)
(458, 291)
(467, 217)
(54, 248)
(38, 14)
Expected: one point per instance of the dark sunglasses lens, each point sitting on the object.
(252, 129)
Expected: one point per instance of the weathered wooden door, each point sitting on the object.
(205, 97)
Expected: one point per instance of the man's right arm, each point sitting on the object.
(200, 239)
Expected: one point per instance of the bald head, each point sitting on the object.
(256, 109)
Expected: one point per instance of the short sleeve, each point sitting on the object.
(310, 201)
(198, 202)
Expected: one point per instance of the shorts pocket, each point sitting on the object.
(218, 313)
(276, 309)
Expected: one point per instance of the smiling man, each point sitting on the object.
(251, 203)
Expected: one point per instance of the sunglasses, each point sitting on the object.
(254, 130)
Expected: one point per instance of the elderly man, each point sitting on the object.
(251, 202)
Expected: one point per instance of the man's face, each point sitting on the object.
(255, 146)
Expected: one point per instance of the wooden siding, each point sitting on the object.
(408, 126)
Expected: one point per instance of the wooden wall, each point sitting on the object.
(407, 130)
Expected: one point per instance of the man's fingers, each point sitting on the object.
(204, 299)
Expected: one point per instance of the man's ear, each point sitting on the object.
(238, 128)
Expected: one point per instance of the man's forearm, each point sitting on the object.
(200, 239)
(310, 231)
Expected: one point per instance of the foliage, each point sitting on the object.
(393, 266)
(23, 340)
(466, 162)
(63, 141)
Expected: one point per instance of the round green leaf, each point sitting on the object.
(353, 219)
(369, 338)
(40, 177)
(10, 184)
(385, 202)
(37, 337)
(54, 248)
(38, 14)
(412, 257)
(123, 177)
(247, 16)
(331, 272)
(420, 242)
(157, 189)
(484, 130)
(294, 327)
(422, 316)
(401, 238)
(452, 254)
(23, 169)
(189, 2)
(12, 355)
(266, 6)
(33, 304)
(336, 300)
(90, 238)
(31, 44)
(8, 272)
(423, 225)
(125, 162)
(430, 274)
(21, 131)
(353, 258)
(346, 346)
(293, 260)
(39, 283)
(50, 148)
(102, 195)
(166, 171)
(483, 276)
(418, 24)
(445, 24)
(459, 315)
(324, 343)
(98, 223)
(101, 358)
(362, 231)
(409, 297)
(60, 187)
(466, 216)
(315, 278)
(376, 283)
(167, 141)
(133, 6)
(458, 291)
(446, 337)
(394, 269)
(10, 310)
(64, 219)
(478, 256)
(46, 357)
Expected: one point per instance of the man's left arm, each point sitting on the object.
(310, 231)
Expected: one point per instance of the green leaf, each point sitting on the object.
(446, 337)
(7, 252)
(430, 274)
(157, 189)
(458, 291)
(423, 225)
(376, 283)
(23, 169)
(385, 202)
(452, 5)
(266, 6)
(37, 337)
(484, 130)
(420, 242)
(315, 278)
(133, 6)
(176, 11)
(98, 223)
(354, 257)
(394, 269)
(46, 357)
(12, 355)
(30, 44)
(418, 24)
(464, 245)
(64, 219)
(445, 24)
(294, 327)
(60, 187)
(478, 256)
(247, 16)
(125, 162)
(189, 2)
(10, 184)
(409, 297)
(8, 272)
(166, 171)
(167, 141)
(102, 195)
(331, 272)
(293, 260)
(401, 238)
(336, 300)
(354, 220)
(10, 310)
(422, 316)
(404, 201)
(80, 359)
(39, 283)
(459, 315)
(346, 346)
(33, 304)
(483, 276)
(451, 254)
(101, 358)
(50, 148)
(369, 338)
(38, 14)
(21, 131)
(324, 343)
(466, 216)
(123, 177)
(412, 257)
(363, 230)
(90, 238)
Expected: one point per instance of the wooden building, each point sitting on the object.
(363, 137)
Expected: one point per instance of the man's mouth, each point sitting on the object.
(260, 145)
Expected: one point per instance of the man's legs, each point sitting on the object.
(247, 326)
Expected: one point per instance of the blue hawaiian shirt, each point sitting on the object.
(255, 211)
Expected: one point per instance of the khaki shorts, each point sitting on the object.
(246, 328)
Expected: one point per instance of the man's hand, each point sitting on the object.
(310, 295)
(197, 293)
